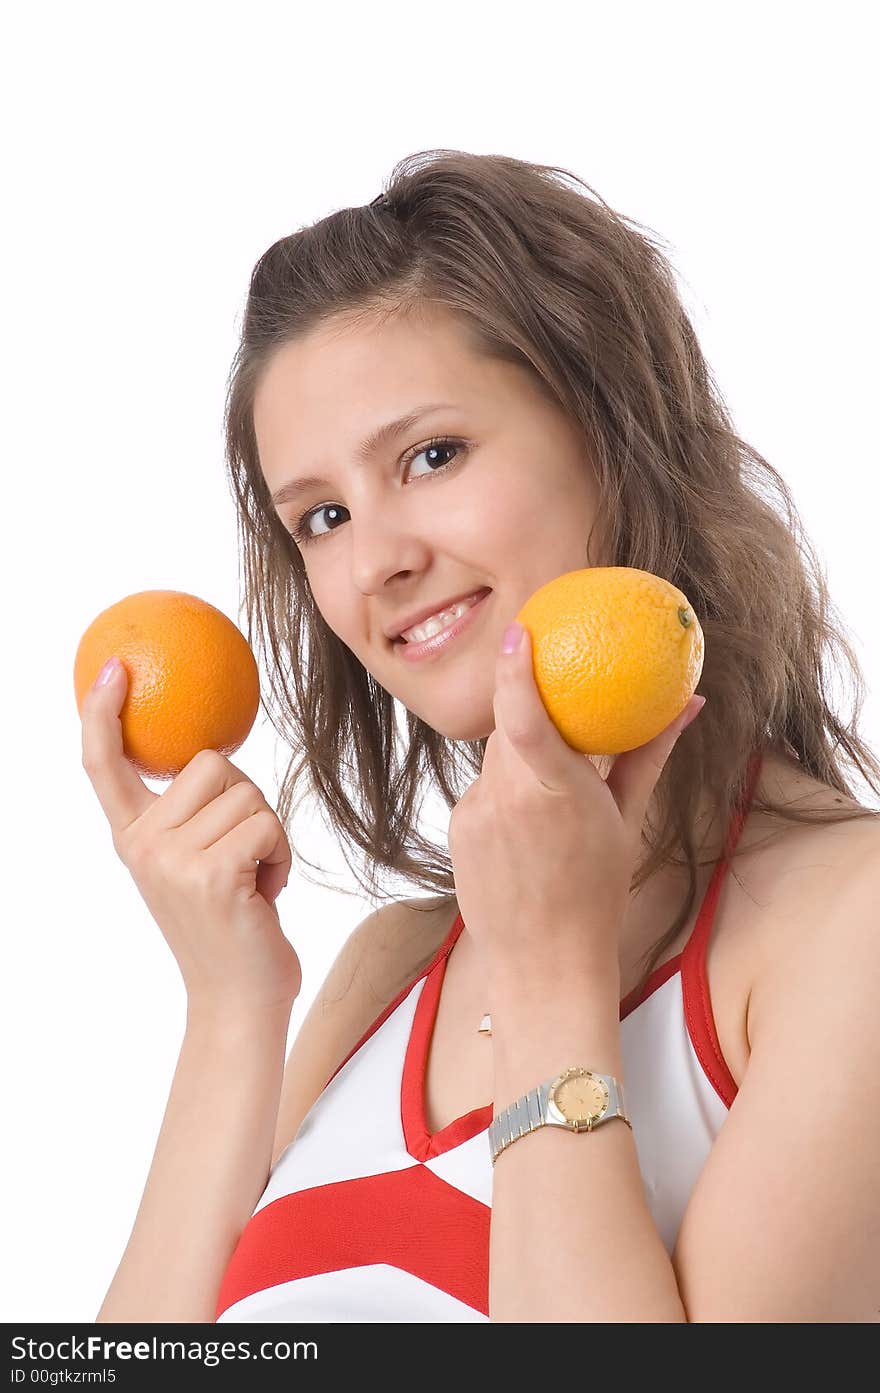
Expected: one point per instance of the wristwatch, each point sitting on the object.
(579, 1099)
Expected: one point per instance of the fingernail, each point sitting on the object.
(108, 672)
(694, 714)
(512, 635)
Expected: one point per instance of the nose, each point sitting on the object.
(383, 547)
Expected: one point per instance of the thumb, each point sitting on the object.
(121, 791)
(634, 774)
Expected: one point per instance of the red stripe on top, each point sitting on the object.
(409, 1219)
(656, 979)
(444, 948)
(694, 981)
(421, 1143)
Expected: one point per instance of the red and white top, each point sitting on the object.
(368, 1216)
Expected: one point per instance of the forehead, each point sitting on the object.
(367, 369)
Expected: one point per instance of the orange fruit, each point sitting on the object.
(617, 654)
(193, 682)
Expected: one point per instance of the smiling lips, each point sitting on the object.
(419, 633)
(449, 630)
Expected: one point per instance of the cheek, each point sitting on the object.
(326, 599)
(346, 622)
(492, 515)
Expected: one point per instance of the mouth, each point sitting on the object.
(415, 650)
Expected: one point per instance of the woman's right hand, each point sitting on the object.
(209, 857)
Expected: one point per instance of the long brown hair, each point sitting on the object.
(548, 278)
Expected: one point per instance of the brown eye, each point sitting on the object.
(301, 530)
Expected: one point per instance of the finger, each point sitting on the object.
(522, 718)
(202, 781)
(238, 803)
(260, 839)
(121, 791)
(635, 773)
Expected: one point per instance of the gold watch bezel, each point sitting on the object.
(582, 1123)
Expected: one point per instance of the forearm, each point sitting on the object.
(571, 1237)
(209, 1168)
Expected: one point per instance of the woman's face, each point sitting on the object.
(395, 533)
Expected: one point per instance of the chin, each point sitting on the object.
(470, 732)
(463, 728)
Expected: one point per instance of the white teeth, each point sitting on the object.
(438, 622)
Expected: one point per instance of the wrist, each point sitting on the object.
(535, 1036)
(236, 1019)
(583, 984)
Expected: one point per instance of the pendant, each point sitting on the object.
(485, 1026)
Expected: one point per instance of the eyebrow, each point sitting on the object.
(364, 452)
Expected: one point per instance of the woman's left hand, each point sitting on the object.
(543, 848)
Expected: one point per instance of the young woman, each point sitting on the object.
(687, 928)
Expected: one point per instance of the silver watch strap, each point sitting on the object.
(527, 1113)
(531, 1111)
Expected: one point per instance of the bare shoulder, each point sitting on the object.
(401, 941)
(799, 1150)
(805, 881)
(382, 954)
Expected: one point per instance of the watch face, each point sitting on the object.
(580, 1096)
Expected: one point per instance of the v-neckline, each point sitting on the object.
(423, 1144)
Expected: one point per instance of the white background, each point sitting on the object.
(152, 154)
